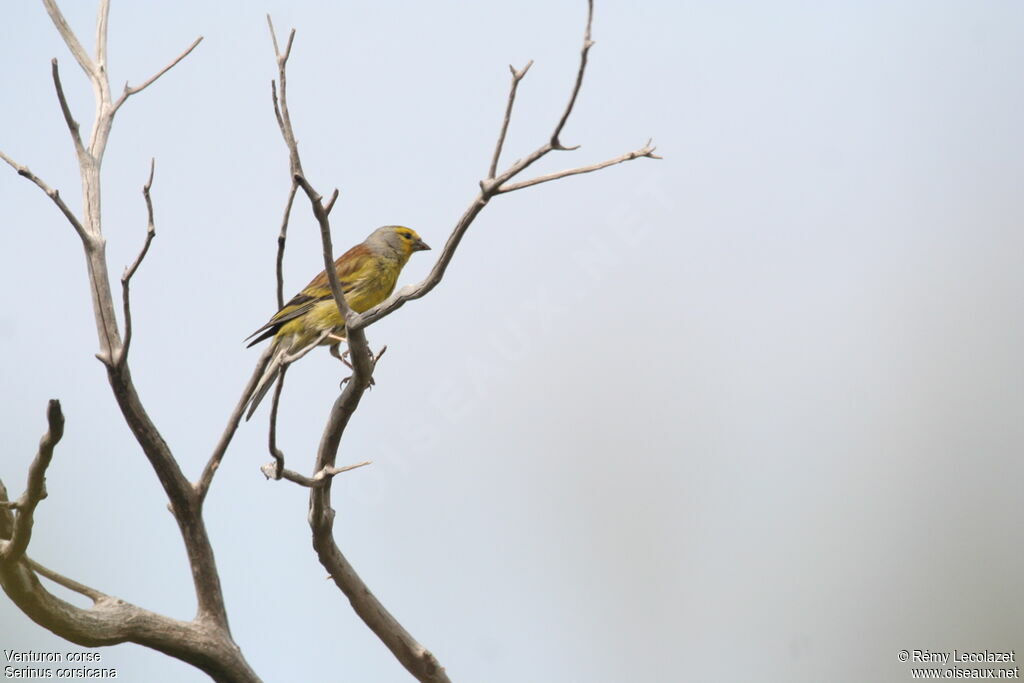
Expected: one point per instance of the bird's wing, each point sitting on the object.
(352, 267)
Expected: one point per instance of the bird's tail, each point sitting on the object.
(270, 375)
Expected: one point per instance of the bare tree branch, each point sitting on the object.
(276, 452)
(76, 136)
(419, 661)
(498, 183)
(587, 44)
(24, 172)
(129, 91)
(202, 486)
(645, 151)
(284, 120)
(410, 292)
(282, 237)
(130, 270)
(81, 56)
(330, 202)
(111, 621)
(64, 581)
(35, 489)
(516, 77)
(102, 17)
(274, 470)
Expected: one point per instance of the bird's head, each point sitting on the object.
(397, 238)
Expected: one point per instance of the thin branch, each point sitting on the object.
(202, 486)
(64, 29)
(587, 44)
(272, 470)
(129, 91)
(102, 19)
(35, 489)
(289, 358)
(76, 136)
(645, 151)
(516, 77)
(329, 206)
(24, 172)
(284, 120)
(62, 580)
(282, 237)
(276, 452)
(410, 292)
(130, 270)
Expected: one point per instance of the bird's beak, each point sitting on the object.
(420, 245)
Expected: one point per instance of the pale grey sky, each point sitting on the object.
(752, 412)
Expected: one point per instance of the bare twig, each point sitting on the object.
(273, 470)
(282, 238)
(281, 109)
(645, 151)
(130, 270)
(291, 357)
(24, 172)
(516, 77)
(129, 90)
(276, 452)
(73, 127)
(587, 44)
(81, 56)
(35, 489)
(202, 486)
(330, 202)
(102, 17)
(62, 580)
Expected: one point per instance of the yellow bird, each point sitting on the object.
(367, 273)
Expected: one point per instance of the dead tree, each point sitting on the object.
(205, 641)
